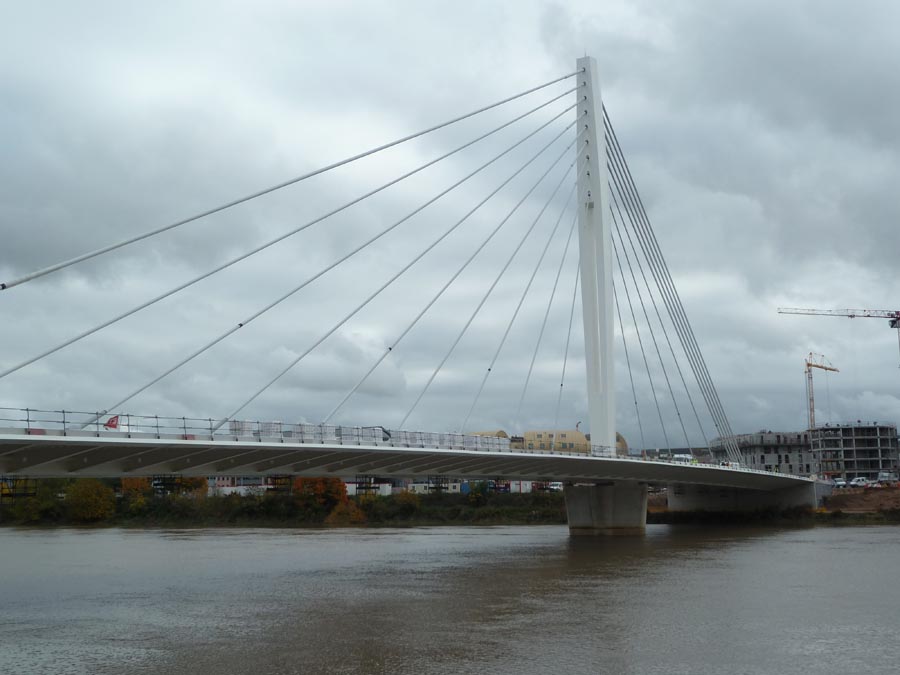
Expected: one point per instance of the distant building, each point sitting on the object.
(834, 450)
(782, 451)
(860, 449)
(568, 440)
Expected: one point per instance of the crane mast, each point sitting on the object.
(814, 361)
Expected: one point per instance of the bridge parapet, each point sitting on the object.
(40, 442)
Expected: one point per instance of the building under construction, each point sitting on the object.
(856, 449)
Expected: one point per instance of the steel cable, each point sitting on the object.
(637, 410)
(279, 186)
(663, 277)
(284, 236)
(515, 313)
(562, 378)
(637, 331)
(483, 300)
(384, 286)
(562, 261)
(640, 296)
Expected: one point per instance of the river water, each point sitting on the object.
(449, 600)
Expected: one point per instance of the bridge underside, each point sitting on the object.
(724, 499)
(604, 495)
(111, 454)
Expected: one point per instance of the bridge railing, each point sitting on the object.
(36, 421)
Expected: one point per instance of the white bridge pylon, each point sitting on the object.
(614, 235)
(595, 260)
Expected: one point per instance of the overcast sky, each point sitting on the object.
(764, 137)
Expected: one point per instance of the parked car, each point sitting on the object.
(887, 478)
(859, 482)
(839, 483)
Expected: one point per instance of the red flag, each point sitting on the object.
(112, 422)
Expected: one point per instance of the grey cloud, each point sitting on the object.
(763, 138)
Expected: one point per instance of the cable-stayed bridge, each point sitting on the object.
(561, 169)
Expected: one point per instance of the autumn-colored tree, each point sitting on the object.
(89, 500)
(326, 492)
(197, 485)
(135, 493)
(136, 486)
(407, 503)
(45, 505)
(346, 513)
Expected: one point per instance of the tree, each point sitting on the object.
(407, 503)
(44, 506)
(346, 513)
(198, 485)
(89, 500)
(325, 492)
(136, 486)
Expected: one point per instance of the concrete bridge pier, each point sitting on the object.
(710, 498)
(614, 508)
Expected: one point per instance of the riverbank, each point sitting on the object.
(323, 502)
(309, 503)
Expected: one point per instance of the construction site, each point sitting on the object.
(861, 457)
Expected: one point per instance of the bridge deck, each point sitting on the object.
(41, 453)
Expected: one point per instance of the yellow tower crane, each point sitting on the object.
(815, 361)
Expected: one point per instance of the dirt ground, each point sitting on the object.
(864, 500)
